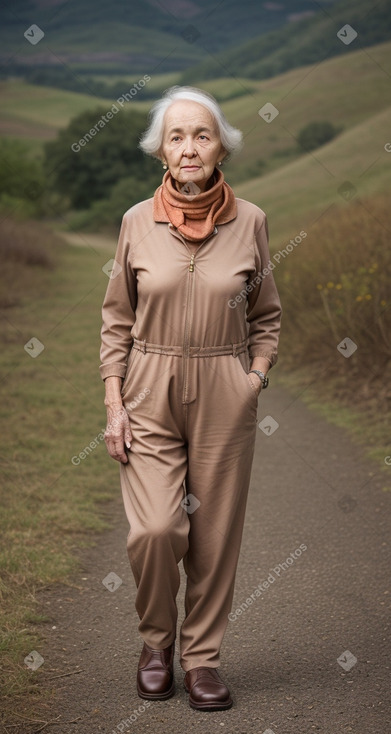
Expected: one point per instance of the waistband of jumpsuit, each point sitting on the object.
(235, 348)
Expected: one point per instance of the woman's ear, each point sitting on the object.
(160, 157)
(222, 156)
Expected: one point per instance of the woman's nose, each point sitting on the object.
(189, 148)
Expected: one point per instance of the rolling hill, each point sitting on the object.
(353, 92)
(311, 40)
(354, 165)
(94, 36)
(36, 113)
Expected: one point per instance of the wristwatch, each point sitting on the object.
(262, 377)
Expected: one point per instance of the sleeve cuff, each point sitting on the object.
(112, 370)
(271, 356)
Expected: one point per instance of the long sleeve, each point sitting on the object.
(118, 310)
(263, 306)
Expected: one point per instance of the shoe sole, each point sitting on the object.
(208, 706)
(156, 696)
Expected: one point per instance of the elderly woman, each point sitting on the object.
(191, 321)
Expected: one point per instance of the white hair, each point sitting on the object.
(152, 140)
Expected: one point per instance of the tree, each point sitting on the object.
(315, 134)
(105, 214)
(97, 149)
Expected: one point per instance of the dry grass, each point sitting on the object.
(24, 245)
(50, 409)
(336, 284)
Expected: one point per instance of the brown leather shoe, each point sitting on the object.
(155, 676)
(206, 690)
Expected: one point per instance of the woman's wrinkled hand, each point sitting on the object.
(117, 434)
(256, 383)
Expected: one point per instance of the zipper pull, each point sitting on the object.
(191, 266)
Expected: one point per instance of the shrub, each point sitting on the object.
(316, 134)
(108, 213)
(22, 184)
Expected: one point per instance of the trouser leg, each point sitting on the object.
(152, 489)
(157, 540)
(221, 434)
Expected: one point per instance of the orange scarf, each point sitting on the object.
(194, 215)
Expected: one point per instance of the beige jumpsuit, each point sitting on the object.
(181, 331)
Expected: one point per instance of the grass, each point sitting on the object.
(37, 113)
(334, 91)
(336, 284)
(51, 409)
(302, 191)
(336, 281)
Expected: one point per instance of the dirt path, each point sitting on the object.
(312, 501)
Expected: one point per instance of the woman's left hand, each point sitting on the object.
(255, 382)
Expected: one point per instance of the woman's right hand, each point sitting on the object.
(117, 434)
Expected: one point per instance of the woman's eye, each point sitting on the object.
(203, 137)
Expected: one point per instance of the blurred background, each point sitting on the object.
(309, 84)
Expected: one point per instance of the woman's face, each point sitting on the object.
(191, 143)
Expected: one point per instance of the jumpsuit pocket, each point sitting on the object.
(244, 367)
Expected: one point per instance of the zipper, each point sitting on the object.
(186, 336)
(188, 319)
(189, 313)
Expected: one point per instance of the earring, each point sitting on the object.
(165, 166)
(220, 163)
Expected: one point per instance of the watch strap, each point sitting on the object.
(262, 377)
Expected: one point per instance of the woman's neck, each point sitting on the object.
(209, 184)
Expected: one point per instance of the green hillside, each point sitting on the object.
(37, 113)
(345, 91)
(145, 36)
(310, 41)
(352, 92)
(298, 194)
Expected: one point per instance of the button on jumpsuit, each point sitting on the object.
(181, 331)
